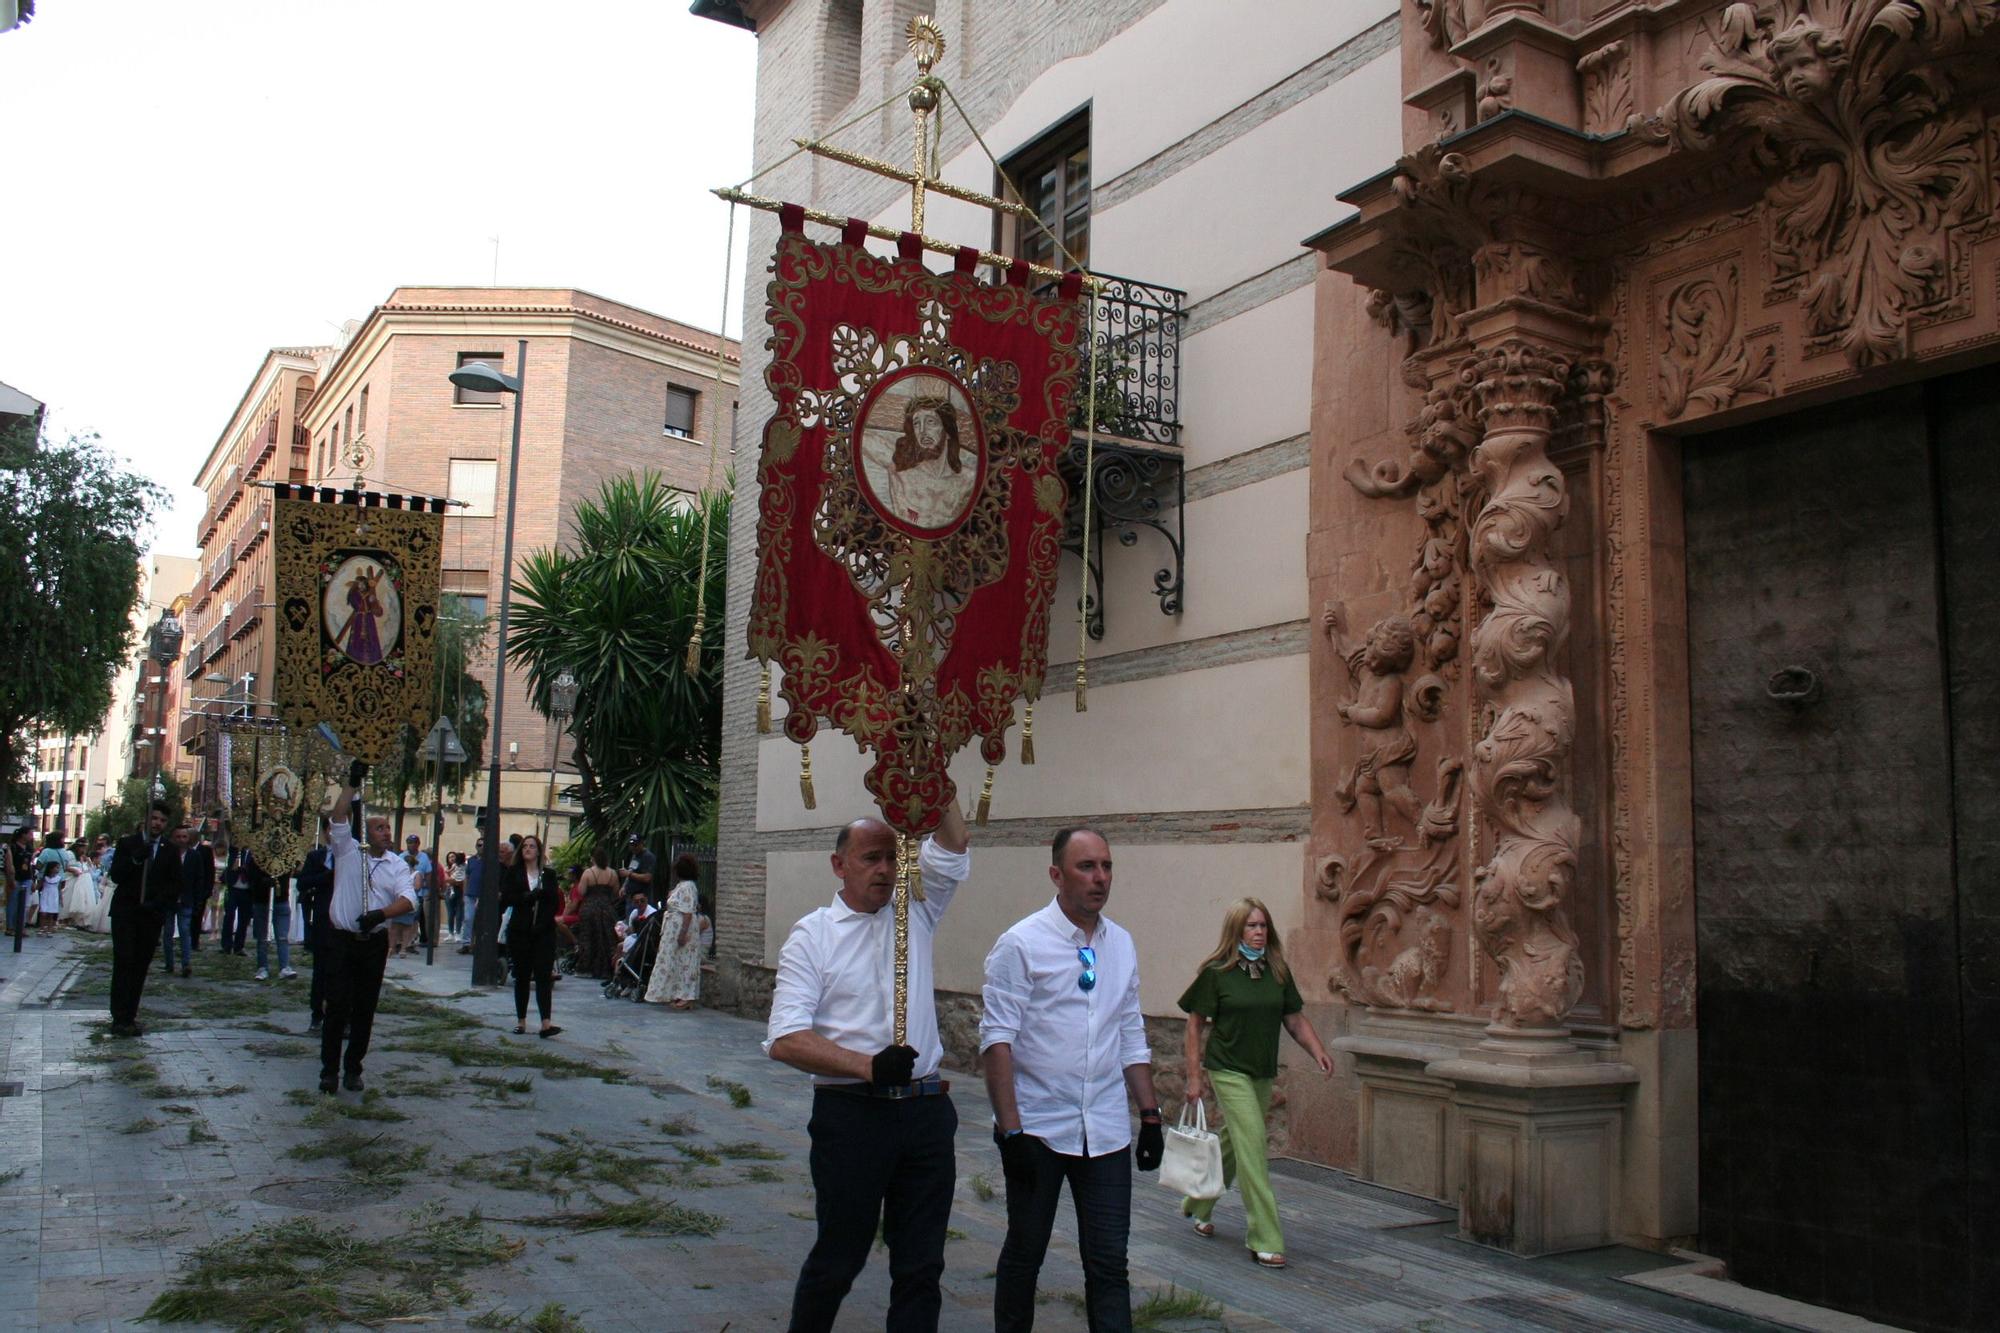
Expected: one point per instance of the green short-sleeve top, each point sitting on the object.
(1247, 1015)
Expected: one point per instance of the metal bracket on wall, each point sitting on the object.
(1135, 487)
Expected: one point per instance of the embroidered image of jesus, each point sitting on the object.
(361, 610)
(919, 453)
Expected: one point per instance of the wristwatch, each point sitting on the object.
(1149, 1113)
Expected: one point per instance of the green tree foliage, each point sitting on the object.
(72, 524)
(617, 609)
(126, 811)
(460, 638)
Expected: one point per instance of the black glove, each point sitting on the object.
(892, 1066)
(357, 773)
(1017, 1154)
(375, 917)
(1152, 1146)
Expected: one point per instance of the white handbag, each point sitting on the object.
(1192, 1164)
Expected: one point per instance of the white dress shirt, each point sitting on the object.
(837, 971)
(363, 882)
(1071, 1046)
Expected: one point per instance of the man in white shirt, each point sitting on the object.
(369, 886)
(882, 1122)
(1064, 1042)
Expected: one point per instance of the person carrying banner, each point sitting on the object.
(370, 884)
(882, 1126)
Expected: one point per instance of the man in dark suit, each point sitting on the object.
(203, 850)
(197, 881)
(146, 880)
(315, 895)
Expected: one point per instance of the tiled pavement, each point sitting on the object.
(97, 1221)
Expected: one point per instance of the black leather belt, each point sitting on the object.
(923, 1087)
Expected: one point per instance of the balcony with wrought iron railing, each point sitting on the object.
(1136, 464)
(247, 613)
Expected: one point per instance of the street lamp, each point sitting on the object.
(479, 377)
(164, 648)
(562, 707)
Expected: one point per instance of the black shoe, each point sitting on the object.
(313, 1026)
(327, 1083)
(354, 1083)
(187, 971)
(127, 1030)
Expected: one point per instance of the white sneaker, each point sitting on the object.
(263, 974)
(287, 975)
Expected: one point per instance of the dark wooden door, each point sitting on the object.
(1844, 619)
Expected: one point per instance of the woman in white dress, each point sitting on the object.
(676, 979)
(79, 892)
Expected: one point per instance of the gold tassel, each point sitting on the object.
(911, 865)
(764, 703)
(806, 778)
(1082, 690)
(985, 798)
(694, 643)
(1028, 737)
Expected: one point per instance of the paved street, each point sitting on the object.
(643, 1170)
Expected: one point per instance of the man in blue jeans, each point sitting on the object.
(197, 876)
(258, 914)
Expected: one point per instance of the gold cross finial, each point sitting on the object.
(926, 42)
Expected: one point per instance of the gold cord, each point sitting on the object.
(985, 798)
(806, 778)
(1089, 495)
(764, 702)
(1028, 738)
(707, 500)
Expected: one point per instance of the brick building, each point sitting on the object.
(609, 389)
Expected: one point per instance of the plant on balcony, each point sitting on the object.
(1115, 412)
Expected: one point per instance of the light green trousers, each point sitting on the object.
(1244, 1101)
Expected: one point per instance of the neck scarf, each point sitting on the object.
(1250, 960)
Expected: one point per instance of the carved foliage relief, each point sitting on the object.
(1850, 103)
(1705, 358)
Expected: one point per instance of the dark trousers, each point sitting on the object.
(134, 936)
(318, 931)
(878, 1160)
(235, 919)
(1101, 1189)
(534, 959)
(454, 908)
(354, 966)
(196, 916)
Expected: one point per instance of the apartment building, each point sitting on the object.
(142, 725)
(609, 389)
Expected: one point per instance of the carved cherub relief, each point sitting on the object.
(1380, 779)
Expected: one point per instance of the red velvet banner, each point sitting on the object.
(910, 513)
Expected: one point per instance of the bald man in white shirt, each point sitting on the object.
(369, 886)
(882, 1123)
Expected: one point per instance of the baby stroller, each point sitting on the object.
(635, 965)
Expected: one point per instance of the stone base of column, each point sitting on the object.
(1539, 1126)
(1523, 1131)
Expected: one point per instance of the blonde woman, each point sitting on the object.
(1240, 998)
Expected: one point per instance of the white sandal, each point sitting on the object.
(1201, 1228)
(1268, 1259)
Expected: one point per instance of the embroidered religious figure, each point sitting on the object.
(362, 610)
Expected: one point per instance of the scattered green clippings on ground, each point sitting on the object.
(162, 1091)
(365, 1156)
(158, 1235)
(10, 1176)
(678, 1126)
(739, 1096)
(745, 1150)
(573, 1163)
(982, 1189)
(402, 1002)
(495, 1088)
(145, 1124)
(761, 1174)
(140, 1072)
(175, 1109)
(408, 1085)
(265, 1025)
(327, 1110)
(803, 1217)
(304, 1272)
(638, 1217)
(282, 1050)
(199, 1133)
(694, 1152)
(563, 1258)
(953, 1233)
(704, 1286)
(551, 1318)
(617, 1048)
(1174, 1306)
(464, 1049)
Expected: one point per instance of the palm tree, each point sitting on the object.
(617, 609)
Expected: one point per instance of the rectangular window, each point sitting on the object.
(681, 405)
(1053, 174)
(470, 396)
(350, 421)
(334, 456)
(472, 480)
(364, 409)
(468, 606)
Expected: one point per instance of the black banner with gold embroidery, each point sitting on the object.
(357, 602)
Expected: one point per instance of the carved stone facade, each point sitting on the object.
(1615, 225)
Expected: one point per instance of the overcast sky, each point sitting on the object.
(188, 185)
